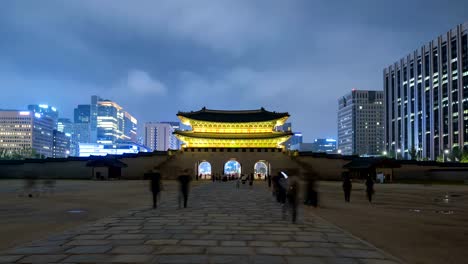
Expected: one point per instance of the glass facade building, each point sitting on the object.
(360, 123)
(25, 130)
(426, 98)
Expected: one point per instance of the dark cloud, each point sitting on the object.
(158, 57)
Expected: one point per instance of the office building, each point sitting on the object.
(93, 123)
(302, 147)
(46, 111)
(130, 127)
(82, 114)
(61, 144)
(159, 136)
(327, 145)
(97, 149)
(23, 131)
(426, 98)
(360, 123)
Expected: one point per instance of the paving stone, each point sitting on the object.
(334, 260)
(311, 238)
(42, 258)
(165, 250)
(87, 242)
(319, 252)
(182, 259)
(356, 253)
(127, 242)
(233, 243)
(225, 259)
(139, 249)
(162, 242)
(88, 249)
(273, 237)
(9, 258)
(132, 258)
(305, 260)
(229, 250)
(94, 236)
(216, 237)
(264, 259)
(294, 244)
(37, 250)
(256, 243)
(377, 261)
(89, 258)
(199, 242)
(128, 236)
(273, 251)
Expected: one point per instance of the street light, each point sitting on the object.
(398, 151)
(445, 153)
(339, 151)
(384, 153)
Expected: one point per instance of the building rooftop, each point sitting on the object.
(239, 116)
(233, 135)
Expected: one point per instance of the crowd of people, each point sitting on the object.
(285, 188)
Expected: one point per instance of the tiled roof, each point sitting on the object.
(233, 115)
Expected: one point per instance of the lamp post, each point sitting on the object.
(384, 153)
(339, 151)
(445, 153)
(398, 151)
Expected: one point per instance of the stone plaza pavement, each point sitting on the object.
(222, 224)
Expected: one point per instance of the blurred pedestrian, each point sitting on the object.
(251, 179)
(184, 181)
(347, 185)
(369, 188)
(269, 180)
(311, 193)
(155, 186)
(293, 190)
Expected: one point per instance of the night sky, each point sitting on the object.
(157, 57)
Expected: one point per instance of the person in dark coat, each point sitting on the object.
(269, 180)
(311, 193)
(369, 188)
(292, 193)
(275, 189)
(251, 179)
(184, 181)
(347, 185)
(155, 186)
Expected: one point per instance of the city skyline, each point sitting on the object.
(275, 55)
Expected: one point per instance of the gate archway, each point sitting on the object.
(261, 169)
(204, 170)
(232, 168)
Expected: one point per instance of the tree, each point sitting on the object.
(456, 154)
(440, 158)
(464, 157)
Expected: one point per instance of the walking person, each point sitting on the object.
(155, 186)
(311, 193)
(347, 185)
(184, 181)
(292, 199)
(251, 179)
(269, 180)
(369, 188)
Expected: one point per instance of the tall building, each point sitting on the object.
(159, 136)
(93, 122)
(22, 131)
(360, 123)
(45, 110)
(130, 127)
(82, 114)
(61, 144)
(110, 119)
(426, 98)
